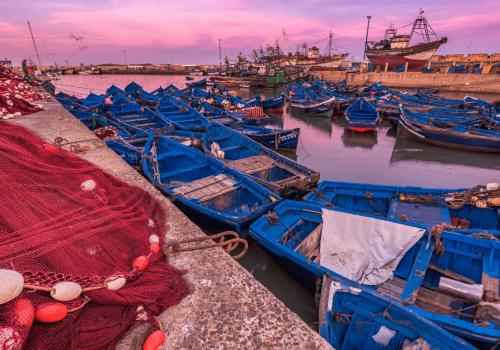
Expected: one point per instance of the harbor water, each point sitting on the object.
(378, 157)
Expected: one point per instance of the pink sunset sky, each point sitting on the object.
(186, 32)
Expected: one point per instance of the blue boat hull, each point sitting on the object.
(287, 140)
(447, 138)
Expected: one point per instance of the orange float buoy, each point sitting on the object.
(51, 149)
(140, 263)
(154, 247)
(50, 312)
(25, 312)
(154, 341)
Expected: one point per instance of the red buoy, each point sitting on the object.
(154, 341)
(25, 312)
(50, 312)
(51, 148)
(154, 247)
(140, 263)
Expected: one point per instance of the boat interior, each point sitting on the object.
(398, 203)
(461, 258)
(186, 120)
(198, 178)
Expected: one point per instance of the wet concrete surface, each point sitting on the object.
(227, 308)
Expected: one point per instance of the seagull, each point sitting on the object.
(84, 48)
(72, 36)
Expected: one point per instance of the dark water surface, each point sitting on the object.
(341, 155)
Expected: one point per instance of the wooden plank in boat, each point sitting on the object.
(310, 243)
(490, 278)
(417, 272)
(261, 162)
(205, 187)
(252, 164)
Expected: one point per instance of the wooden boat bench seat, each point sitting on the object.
(169, 154)
(261, 162)
(424, 213)
(181, 170)
(232, 147)
(207, 187)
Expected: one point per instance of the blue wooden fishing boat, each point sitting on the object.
(202, 82)
(284, 140)
(313, 107)
(189, 78)
(351, 318)
(130, 151)
(130, 115)
(211, 194)
(272, 170)
(113, 90)
(171, 88)
(274, 104)
(426, 206)
(254, 101)
(452, 134)
(67, 100)
(132, 87)
(361, 116)
(475, 103)
(452, 279)
(180, 114)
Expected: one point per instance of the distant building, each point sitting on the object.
(6, 63)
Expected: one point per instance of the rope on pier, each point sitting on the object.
(173, 248)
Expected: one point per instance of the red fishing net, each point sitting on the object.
(16, 95)
(63, 219)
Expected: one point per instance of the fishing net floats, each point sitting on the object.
(12, 284)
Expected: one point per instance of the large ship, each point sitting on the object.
(394, 49)
(310, 56)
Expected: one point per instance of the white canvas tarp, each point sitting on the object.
(363, 249)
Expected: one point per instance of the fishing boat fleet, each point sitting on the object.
(394, 267)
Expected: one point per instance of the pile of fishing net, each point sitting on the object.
(80, 256)
(16, 95)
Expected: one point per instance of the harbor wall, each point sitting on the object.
(227, 308)
(484, 83)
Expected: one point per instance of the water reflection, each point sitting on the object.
(421, 152)
(353, 139)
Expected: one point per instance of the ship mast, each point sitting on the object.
(34, 44)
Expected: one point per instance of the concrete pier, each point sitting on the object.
(227, 308)
(483, 83)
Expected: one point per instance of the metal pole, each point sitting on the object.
(366, 40)
(125, 55)
(37, 55)
(220, 56)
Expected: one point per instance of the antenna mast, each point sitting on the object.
(37, 55)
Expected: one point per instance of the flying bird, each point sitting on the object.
(72, 36)
(84, 48)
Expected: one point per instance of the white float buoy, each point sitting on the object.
(65, 291)
(154, 239)
(88, 185)
(116, 283)
(11, 285)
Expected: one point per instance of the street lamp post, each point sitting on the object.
(220, 56)
(366, 40)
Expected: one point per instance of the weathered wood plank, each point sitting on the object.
(417, 273)
(310, 243)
